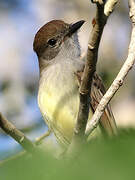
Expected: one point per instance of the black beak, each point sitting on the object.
(74, 27)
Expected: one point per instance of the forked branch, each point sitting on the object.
(120, 77)
(90, 67)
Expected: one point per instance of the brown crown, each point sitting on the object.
(49, 30)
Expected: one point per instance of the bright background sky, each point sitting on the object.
(19, 71)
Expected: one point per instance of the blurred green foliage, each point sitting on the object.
(104, 159)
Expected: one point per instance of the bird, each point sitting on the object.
(61, 68)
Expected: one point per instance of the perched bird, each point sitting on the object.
(57, 47)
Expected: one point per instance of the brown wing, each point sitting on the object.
(107, 120)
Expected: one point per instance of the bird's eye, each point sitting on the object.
(52, 42)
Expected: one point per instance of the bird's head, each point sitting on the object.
(57, 36)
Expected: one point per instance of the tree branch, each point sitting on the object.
(18, 136)
(90, 67)
(109, 7)
(120, 77)
(11, 130)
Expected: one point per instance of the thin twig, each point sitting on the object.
(42, 137)
(120, 77)
(22, 153)
(18, 136)
(13, 158)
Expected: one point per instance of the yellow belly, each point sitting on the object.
(59, 107)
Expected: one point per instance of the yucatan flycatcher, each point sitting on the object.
(57, 47)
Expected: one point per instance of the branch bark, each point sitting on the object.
(90, 67)
(11, 130)
(109, 7)
(120, 77)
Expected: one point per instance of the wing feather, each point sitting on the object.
(107, 121)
